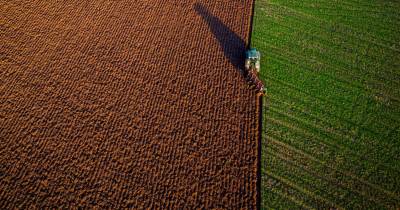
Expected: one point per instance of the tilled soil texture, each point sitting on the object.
(121, 104)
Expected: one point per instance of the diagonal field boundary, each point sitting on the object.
(122, 104)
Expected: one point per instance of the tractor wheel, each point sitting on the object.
(247, 64)
(258, 66)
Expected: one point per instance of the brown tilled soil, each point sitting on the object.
(126, 104)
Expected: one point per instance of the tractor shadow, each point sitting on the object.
(233, 46)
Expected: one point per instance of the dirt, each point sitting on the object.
(116, 104)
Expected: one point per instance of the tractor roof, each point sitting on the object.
(252, 53)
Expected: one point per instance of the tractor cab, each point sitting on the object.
(252, 60)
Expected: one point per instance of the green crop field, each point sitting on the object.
(332, 111)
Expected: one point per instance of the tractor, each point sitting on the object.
(252, 65)
(252, 60)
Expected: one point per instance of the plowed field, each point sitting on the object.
(121, 104)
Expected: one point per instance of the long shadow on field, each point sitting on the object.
(233, 46)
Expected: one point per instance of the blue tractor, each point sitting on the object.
(252, 62)
(252, 65)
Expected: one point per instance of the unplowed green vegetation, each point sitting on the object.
(332, 116)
